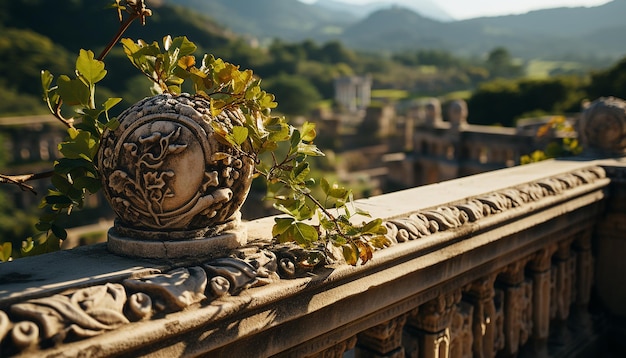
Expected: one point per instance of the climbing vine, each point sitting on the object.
(279, 150)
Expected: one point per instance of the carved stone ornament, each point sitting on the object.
(169, 178)
(602, 126)
(91, 311)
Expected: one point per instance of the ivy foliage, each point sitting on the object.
(279, 150)
(75, 175)
(566, 146)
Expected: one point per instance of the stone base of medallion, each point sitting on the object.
(205, 243)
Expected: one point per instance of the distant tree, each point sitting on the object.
(295, 94)
(611, 82)
(439, 58)
(334, 52)
(500, 64)
(504, 101)
(496, 102)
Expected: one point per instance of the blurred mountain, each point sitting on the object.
(559, 33)
(425, 8)
(267, 19)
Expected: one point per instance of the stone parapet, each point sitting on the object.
(479, 266)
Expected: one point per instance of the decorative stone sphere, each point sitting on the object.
(168, 176)
(602, 126)
(457, 113)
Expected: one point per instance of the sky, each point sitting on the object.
(465, 9)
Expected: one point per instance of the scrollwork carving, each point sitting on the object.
(179, 288)
(86, 313)
(450, 217)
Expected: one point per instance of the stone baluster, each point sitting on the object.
(487, 330)
(540, 267)
(337, 350)
(431, 327)
(461, 335)
(584, 269)
(383, 340)
(518, 293)
(565, 265)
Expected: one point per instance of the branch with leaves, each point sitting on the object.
(279, 150)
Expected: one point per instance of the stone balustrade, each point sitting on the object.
(503, 263)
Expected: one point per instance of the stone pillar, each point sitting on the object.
(481, 294)
(431, 326)
(584, 269)
(432, 112)
(540, 266)
(382, 341)
(461, 335)
(565, 266)
(518, 293)
(457, 114)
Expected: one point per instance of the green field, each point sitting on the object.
(543, 69)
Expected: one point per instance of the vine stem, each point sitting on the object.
(20, 180)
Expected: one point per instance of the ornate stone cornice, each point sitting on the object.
(87, 312)
(455, 216)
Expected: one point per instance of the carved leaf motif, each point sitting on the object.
(88, 312)
(118, 181)
(179, 288)
(156, 180)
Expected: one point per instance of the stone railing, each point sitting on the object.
(490, 264)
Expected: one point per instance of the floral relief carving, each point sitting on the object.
(165, 168)
(149, 182)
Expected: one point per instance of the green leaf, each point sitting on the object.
(59, 232)
(5, 251)
(240, 134)
(308, 131)
(380, 241)
(295, 140)
(74, 92)
(66, 165)
(91, 70)
(27, 245)
(300, 172)
(281, 225)
(310, 149)
(325, 186)
(350, 254)
(81, 145)
(338, 192)
(109, 103)
(303, 234)
(113, 124)
(57, 199)
(46, 81)
(373, 227)
(90, 184)
(61, 183)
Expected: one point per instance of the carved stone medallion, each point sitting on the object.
(602, 126)
(169, 177)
